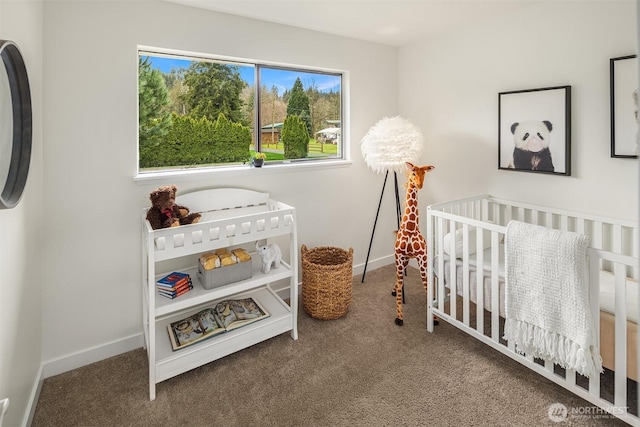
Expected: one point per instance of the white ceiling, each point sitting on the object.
(390, 22)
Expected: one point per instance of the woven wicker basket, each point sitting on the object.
(326, 281)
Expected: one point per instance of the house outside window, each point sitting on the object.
(200, 111)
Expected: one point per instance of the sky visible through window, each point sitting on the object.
(282, 79)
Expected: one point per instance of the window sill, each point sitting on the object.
(241, 171)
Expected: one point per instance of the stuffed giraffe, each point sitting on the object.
(410, 242)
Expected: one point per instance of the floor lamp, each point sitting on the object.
(387, 146)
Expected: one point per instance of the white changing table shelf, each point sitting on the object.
(229, 217)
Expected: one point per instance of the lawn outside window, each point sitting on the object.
(200, 112)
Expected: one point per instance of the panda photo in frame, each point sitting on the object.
(531, 139)
(534, 130)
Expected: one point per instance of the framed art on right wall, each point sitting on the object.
(535, 130)
(624, 106)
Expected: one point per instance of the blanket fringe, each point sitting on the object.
(537, 342)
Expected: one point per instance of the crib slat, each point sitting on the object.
(534, 216)
(620, 399)
(495, 287)
(430, 273)
(594, 306)
(508, 216)
(617, 239)
(452, 271)
(480, 280)
(484, 210)
(465, 273)
(441, 289)
(477, 209)
(548, 366)
(570, 377)
(597, 235)
(635, 238)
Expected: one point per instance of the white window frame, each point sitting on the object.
(242, 170)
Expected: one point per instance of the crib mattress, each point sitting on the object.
(607, 284)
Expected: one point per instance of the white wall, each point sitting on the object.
(92, 292)
(449, 86)
(20, 235)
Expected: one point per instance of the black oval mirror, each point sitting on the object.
(15, 125)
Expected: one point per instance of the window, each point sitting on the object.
(202, 112)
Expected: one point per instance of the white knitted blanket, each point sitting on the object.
(547, 299)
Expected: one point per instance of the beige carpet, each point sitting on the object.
(360, 370)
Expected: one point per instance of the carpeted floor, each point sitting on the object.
(359, 370)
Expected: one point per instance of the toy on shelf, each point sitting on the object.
(271, 256)
(164, 212)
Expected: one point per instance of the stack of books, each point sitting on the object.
(173, 285)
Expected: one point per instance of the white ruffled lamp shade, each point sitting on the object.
(390, 143)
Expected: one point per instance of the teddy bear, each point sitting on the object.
(164, 212)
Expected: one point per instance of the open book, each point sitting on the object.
(224, 316)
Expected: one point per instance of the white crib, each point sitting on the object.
(471, 232)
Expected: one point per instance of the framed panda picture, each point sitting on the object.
(624, 106)
(534, 130)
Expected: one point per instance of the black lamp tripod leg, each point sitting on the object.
(398, 211)
(375, 222)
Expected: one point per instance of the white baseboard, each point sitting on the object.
(91, 355)
(283, 291)
(374, 264)
(86, 357)
(33, 399)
